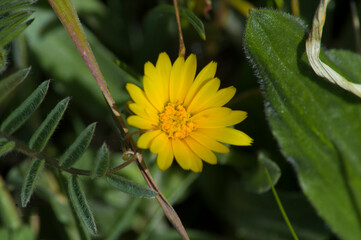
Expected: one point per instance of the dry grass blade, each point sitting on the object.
(313, 48)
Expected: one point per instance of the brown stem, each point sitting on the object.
(69, 18)
(182, 48)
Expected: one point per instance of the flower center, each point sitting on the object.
(176, 121)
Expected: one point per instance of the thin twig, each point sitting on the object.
(182, 48)
(295, 6)
(23, 148)
(280, 205)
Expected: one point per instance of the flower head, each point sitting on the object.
(184, 113)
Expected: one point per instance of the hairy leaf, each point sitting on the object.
(6, 146)
(80, 203)
(130, 187)
(9, 84)
(81, 143)
(34, 170)
(316, 123)
(25, 110)
(102, 162)
(42, 135)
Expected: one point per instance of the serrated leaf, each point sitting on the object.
(255, 180)
(102, 162)
(25, 110)
(34, 170)
(42, 135)
(81, 143)
(316, 123)
(9, 84)
(185, 14)
(6, 146)
(130, 187)
(80, 203)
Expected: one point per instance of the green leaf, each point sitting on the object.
(23, 233)
(47, 40)
(7, 6)
(256, 216)
(42, 135)
(81, 206)
(8, 214)
(185, 14)
(194, 20)
(9, 84)
(32, 175)
(6, 146)
(25, 110)
(10, 32)
(316, 123)
(255, 180)
(81, 143)
(102, 162)
(14, 19)
(130, 187)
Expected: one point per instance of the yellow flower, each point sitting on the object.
(183, 113)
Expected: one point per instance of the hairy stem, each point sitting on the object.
(69, 18)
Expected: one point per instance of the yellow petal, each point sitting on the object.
(201, 151)
(174, 81)
(150, 70)
(139, 97)
(145, 139)
(218, 117)
(141, 123)
(164, 66)
(142, 112)
(153, 88)
(229, 136)
(208, 114)
(205, 75)
(208, 142)
(158, 142)
(165, 156)
(185, 157)
(222, 97)
(186, 78)
(201, 98)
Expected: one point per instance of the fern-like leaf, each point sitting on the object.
(80, 204)
(36, 166)
(81, 143)
(102, 162)
(130, 187)
(13, 15)
(6, 146)
(42, 135)
(25, 110)
(9, 84)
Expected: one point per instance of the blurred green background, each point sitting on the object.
(230, 200)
